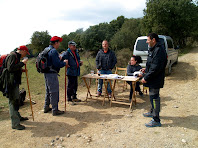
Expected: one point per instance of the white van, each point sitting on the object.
(141, 49)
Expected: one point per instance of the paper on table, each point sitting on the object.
(103, 76)
(114, 76)
(130, 77)
(137, 73)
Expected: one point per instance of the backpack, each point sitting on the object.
(41, 61)
(2, 61)
(2, 67)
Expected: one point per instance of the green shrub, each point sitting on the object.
(123, 57)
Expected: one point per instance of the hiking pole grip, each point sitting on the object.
(65, 86)
(29, 92)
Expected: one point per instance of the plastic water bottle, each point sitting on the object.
(98, 72)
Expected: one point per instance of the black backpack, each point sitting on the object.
(41, 61)
(3, 61)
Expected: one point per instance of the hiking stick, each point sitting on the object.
(65, 86)
(29, 92)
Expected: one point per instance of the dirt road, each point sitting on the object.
(96, 126)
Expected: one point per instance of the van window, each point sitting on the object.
(170, 43)
(161, 41)
(143, 46)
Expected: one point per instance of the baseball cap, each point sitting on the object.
(56, 38)
(23, 47)
(72, 43)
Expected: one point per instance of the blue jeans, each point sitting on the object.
(101, 81)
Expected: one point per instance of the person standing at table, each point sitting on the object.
(73, 71)
(154, 76)
(105, 62)
(51, 77)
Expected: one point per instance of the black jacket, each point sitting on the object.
(14, 66)
(155, 67)
(132, 68)
(11, 74)
(105, 61)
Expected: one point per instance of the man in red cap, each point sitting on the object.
(12, 76)
(51, 77)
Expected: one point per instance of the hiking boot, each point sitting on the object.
(109, 94)
(57, 112)
(140, 93)
(24, 118)
(18, 127)
(149, 114)
(99, 94)
(76, 100)
(153, 123)
(47, 109)
(72, 102)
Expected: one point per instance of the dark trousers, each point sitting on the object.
(155, 103)
(14, 105)
(72, 87)
(137, 88)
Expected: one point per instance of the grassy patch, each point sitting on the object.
(37, 83)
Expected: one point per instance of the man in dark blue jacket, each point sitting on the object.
(51, 77)
(73, 59)
(154, 77)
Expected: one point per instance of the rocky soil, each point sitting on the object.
(92, 125)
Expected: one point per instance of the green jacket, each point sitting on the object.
(11, 74)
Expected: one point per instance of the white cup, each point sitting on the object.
(92, 72)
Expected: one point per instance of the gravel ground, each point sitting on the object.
(93, 125)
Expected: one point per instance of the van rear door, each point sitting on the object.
(141, 49)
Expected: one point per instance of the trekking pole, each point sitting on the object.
(65, 86)
(29, 92)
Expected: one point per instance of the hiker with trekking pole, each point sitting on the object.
(73, 71)
(11, 79)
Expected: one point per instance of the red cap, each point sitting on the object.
(56, 38)
(24, 48)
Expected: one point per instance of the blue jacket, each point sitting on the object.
(73, 70)
(54, 60)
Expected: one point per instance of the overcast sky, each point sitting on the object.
(21, 18)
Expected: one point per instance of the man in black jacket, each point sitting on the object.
(154, 77)
(14, 68)
(105, 62)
